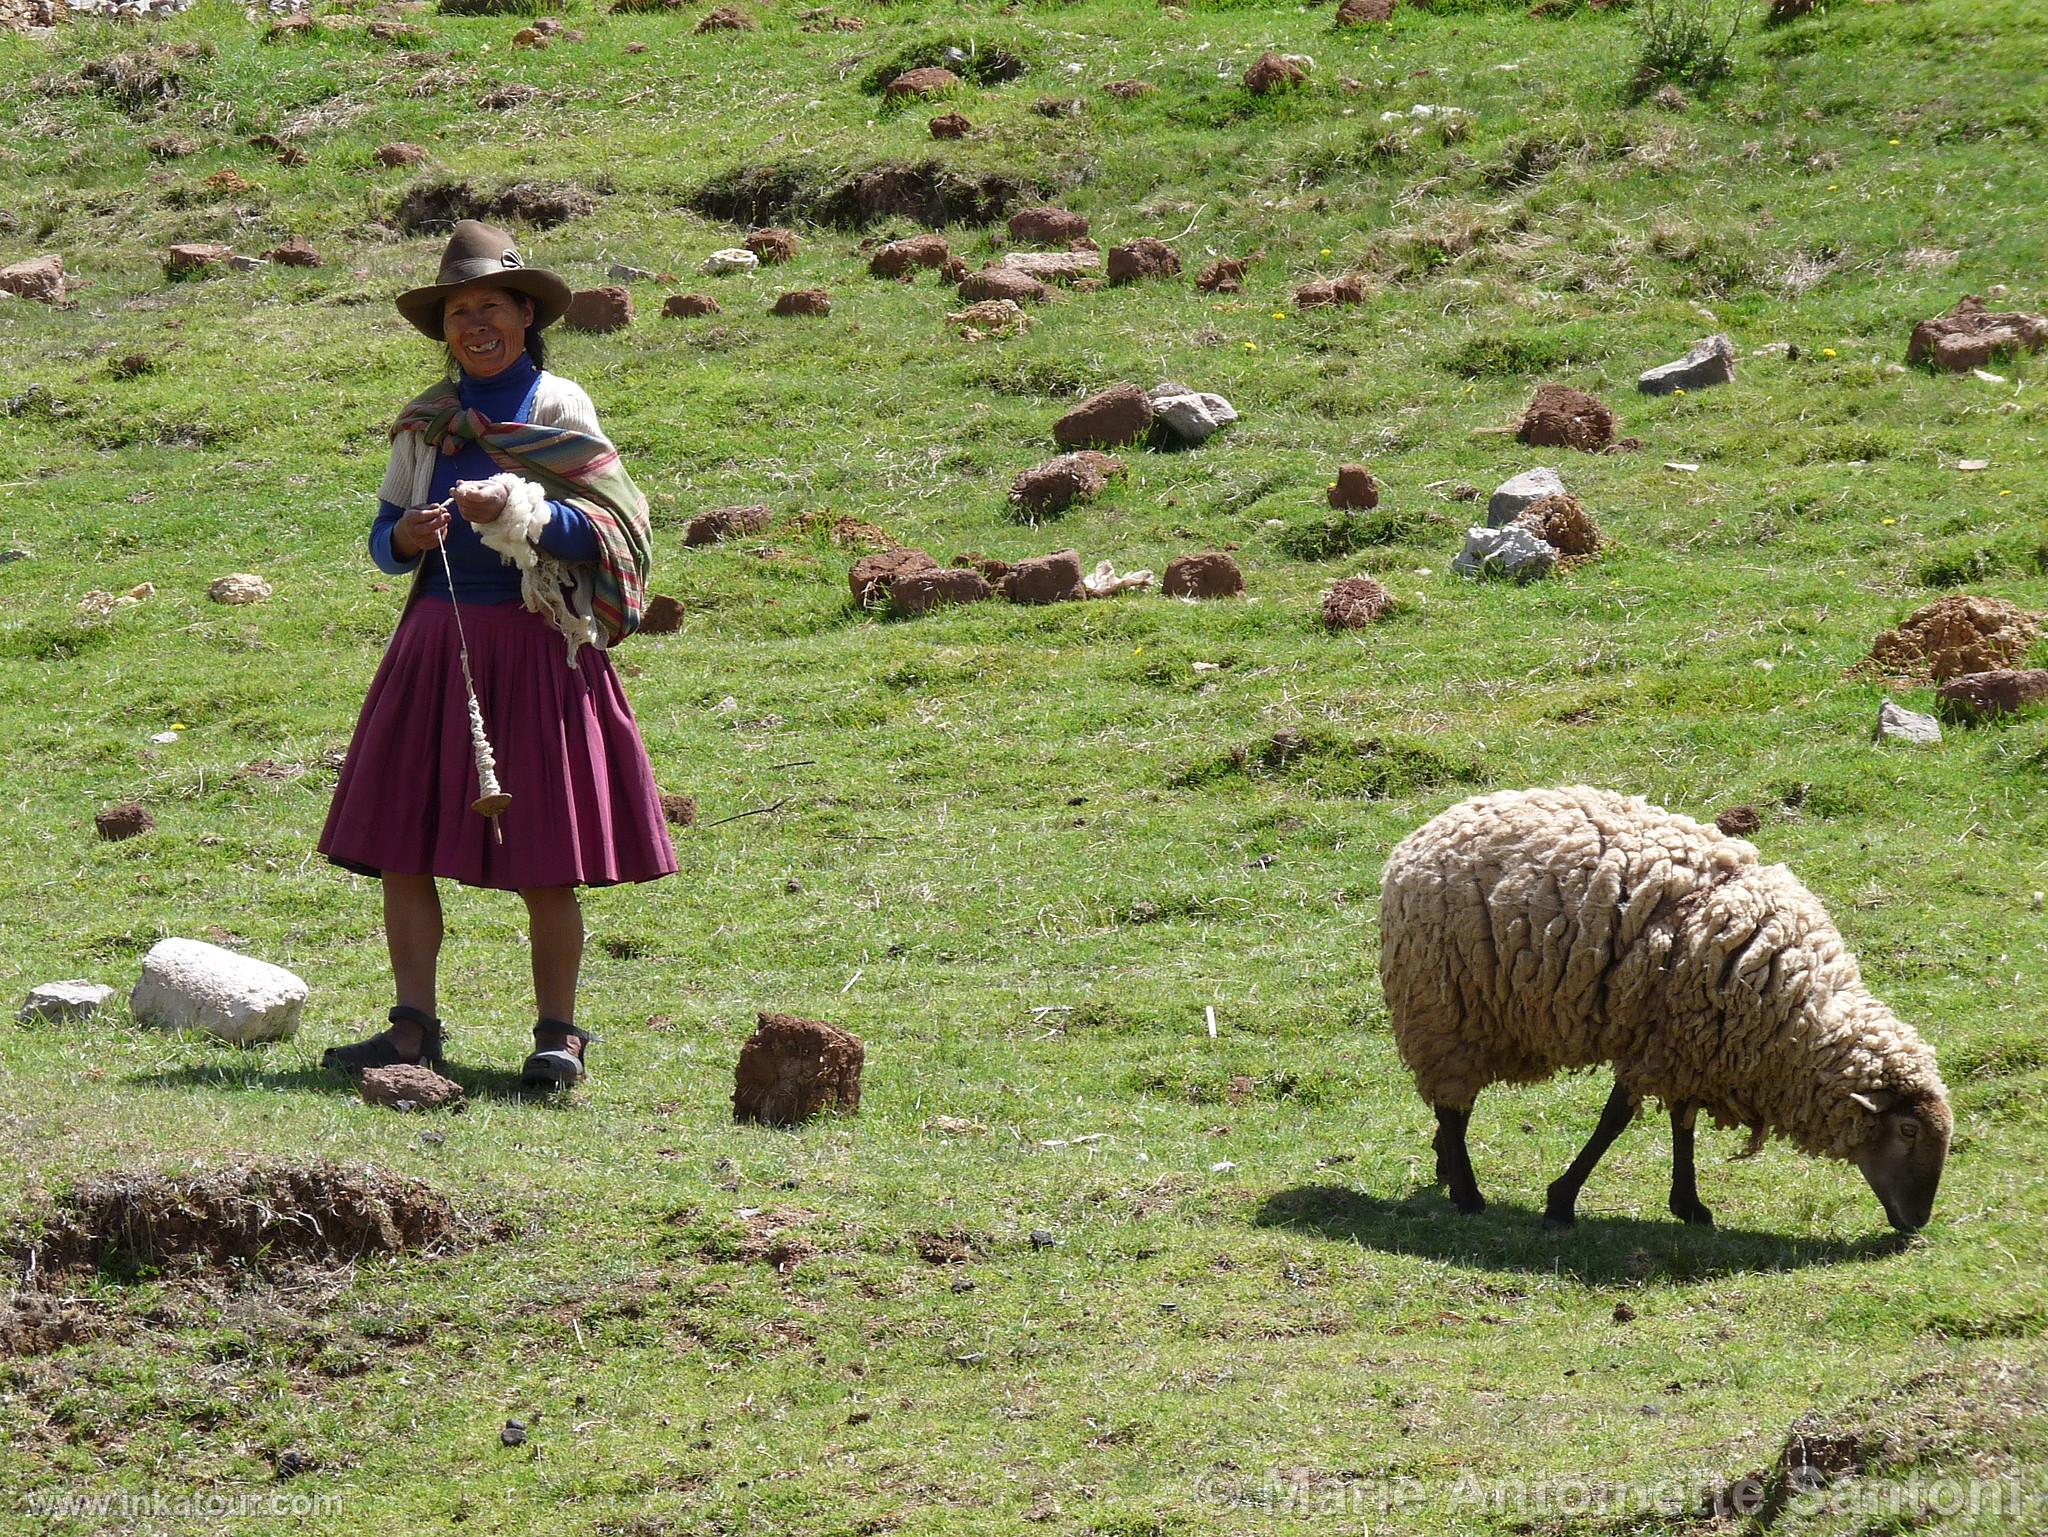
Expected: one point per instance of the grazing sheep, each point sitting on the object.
(1533, 931)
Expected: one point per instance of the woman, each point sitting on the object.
(568, 573)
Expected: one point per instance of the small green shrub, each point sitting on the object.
(1347, 533)
(1689, 41)
(500, 7)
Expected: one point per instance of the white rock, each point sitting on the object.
(189, 985)
(1772, 350)
(247, 263)
(1972, 465)
(64, 1003)
(1711, 361)
(1906, 726)
(1512, 551)
(735, 259)
(1194, 415)
(1515, 497)
(239, 587)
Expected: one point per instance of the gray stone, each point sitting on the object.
(1906, 726)
(619, 272)
(189, 985)
(1512, 551)
(64, 1003)
(1517, 496)
(1711, 361)
(1193, 415)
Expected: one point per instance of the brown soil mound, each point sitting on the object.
(992, 570)
(1354, 603)
(950, 125)
(600, 310)
(1344, 290)
(663, 615)
(1002, 283)
(1118, 415)
(1953, 636)
(396, 156)
(404, 1087)
(803, 301)
(900, 258)
(1980, 696)
(1739, 821)
(1969, 336)
(1562, 417)
(727, 523)
(1057, 484)
(1141, 259)
(1357, 13)
(873, 575)
(1562, 523)
(1213, 574)
(688, 306)
(919, 592)
(727, 19)
(1046, 226)
(295, 252)
(129, 820)
(679, 810)
(248, 1218)
(931, 80)
(33, 1326)
(773, 246)
(1356, 488)
(1047, 579)
(1130, 90)
(1225, 275)
(1273, 72)
(792, 1069)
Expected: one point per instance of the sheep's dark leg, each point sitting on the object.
(1454, 1160)
(1685, 1193)
(1560, 1209)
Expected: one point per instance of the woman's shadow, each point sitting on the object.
(1598, 1250)
(247, 1070)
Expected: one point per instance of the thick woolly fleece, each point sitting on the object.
(1534, 931)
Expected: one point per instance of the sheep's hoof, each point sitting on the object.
(1557, 1221)
(1695, 1215)
(1471, 1204)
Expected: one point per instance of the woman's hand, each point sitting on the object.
(419, 530)
(479, 501)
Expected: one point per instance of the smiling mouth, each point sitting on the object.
(484, 349)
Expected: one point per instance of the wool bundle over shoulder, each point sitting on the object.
(1530, 932)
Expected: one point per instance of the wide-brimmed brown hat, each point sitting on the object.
(478, 253)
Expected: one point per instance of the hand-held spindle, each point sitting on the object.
(491, 798)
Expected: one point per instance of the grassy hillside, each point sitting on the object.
(1021, 851)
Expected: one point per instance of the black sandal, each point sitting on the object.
(555, 1067)
(381, 1049)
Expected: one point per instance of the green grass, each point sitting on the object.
(1022, 851)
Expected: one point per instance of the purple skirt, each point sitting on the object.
(585, 810)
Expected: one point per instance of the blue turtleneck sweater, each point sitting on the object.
(481, 574)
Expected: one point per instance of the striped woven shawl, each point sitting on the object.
(571, 467)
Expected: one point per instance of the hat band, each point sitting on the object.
(474, 267)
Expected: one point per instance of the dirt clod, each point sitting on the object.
(1142, 259)
(727, 523)
(1330, 291)
(1002, 283)
(1225, 275)
(1358, 13)
(1046, 226)
(1970, 336)
(802, 301)
(1117, 416)
(791, 1070)
(662, 615)
(1562, 417)
(600, 310)
(931, 80)
(1739, 821)
(901, 258)
(1130, 90)
(1563, 523)
(1047, 579)
(1274, 72)
(688, 306)
(295, 252)
(131, 819)
(396, 156)
(1981, 696)
(1354, 603)
(919, 592)
(873, 575)
(727, 19)
(950, 125)
(679, 810)
(773, 245)
(248, 1217)
(1213, 574)
(1059, 483)
(1953, 636)
(404, 1087)
(1357, 488)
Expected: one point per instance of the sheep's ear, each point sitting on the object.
(1875, 1107)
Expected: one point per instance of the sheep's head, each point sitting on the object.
(1902, 1157)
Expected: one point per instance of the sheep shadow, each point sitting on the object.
(499, 1084)
(1600, 1250)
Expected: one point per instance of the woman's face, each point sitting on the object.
(485, 327)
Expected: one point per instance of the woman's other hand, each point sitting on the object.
(419, 530)
(479, 501)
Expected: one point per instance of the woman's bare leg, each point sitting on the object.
(412, 932)
(557, 921)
